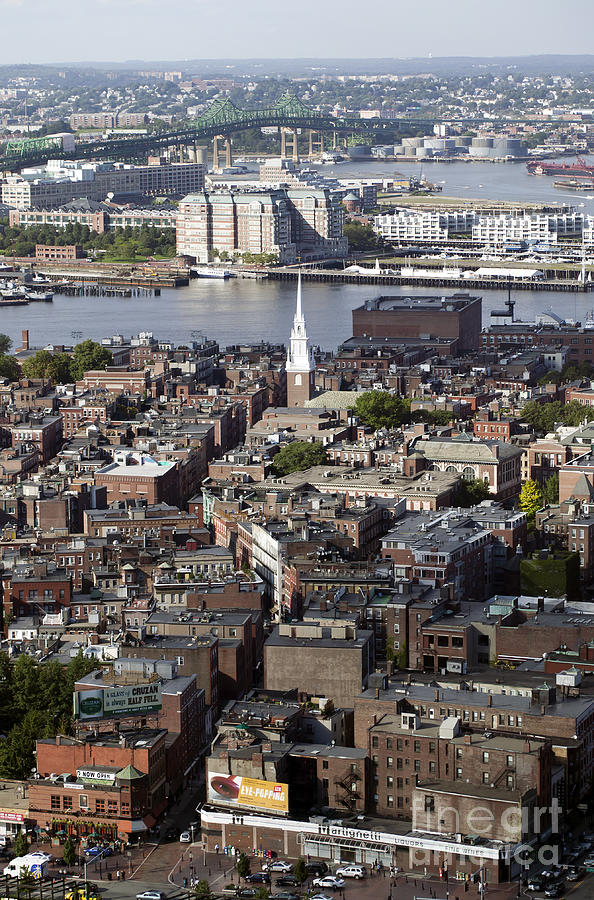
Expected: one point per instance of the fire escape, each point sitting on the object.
(349, 783)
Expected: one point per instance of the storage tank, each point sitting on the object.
(482, 142)
(412, 142)
(424, 152)
(360, 151)
(463, 141)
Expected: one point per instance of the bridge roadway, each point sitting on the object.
(222, 118)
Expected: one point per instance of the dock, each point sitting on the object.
(483, 284)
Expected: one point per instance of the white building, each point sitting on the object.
(412, 225)
(547, 228)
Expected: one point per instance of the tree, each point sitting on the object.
(379, 409)
(44, 364)
(300, 870)
(550, 490)
(202, 890)
(298, 456)
(361, 237)
(243, 866)
(530, 498)
(89, 355)
(5, 343)
(21, 844)
(328, 709)
(69, 852)
(470, 493)
(9, 367)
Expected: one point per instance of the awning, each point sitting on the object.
(346, 842)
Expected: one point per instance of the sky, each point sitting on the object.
(119, 30)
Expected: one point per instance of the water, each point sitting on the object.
(244, 310)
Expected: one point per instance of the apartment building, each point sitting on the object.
(283, 222)
(545, 227)
(411, 225)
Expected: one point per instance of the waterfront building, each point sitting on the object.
(289, 223)
(411, 225)
(546, 227)
(99, 217)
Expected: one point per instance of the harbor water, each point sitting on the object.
(244, 310)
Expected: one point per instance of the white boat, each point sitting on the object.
(42, 296)
(210, 272)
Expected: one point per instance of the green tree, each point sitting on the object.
(470, 493)
(300, 870)
(243, 866)
(379, 409)
(9, 367)
(69, 852)
(530, 498)
(21, 844)
(44, 364)
(262, 893)
(202, 890)
(401, 658)
(298, 456)
(550, 490)
(5, 343)
(361, 237)
(89, 355)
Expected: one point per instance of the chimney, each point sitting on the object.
(490, 700)
(377, 693)
(468, 739)
(25, 339)
(436, 696)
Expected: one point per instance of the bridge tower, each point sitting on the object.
(316, 142)
(216, 152)
(294, 149)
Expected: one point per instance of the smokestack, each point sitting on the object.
(25, 339)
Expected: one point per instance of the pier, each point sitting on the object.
(483, 284)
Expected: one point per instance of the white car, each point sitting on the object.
(352, 871)
(151, 895)
(329, 881)
(277, 865)
(321, 897)
(185, 837)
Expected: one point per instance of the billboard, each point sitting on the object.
(118, 702)
(235, 789)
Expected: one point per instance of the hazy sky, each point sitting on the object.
(118, 30)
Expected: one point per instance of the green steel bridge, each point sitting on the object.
(221, 119)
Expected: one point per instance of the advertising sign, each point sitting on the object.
(235, 789)
(96, 775)
(118, 702)
(11, 816)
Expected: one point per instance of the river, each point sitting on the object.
(242, 310)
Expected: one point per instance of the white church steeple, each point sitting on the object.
(301, 366)
(300, 356)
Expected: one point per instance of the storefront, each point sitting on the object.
(262, 835)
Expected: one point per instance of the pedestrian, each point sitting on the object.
(217, 849)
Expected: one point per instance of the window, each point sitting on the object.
(417, 746)
(112, 806)
(374, 742)
(485, 778)
(458, 752)
(389, 761)
(100, 806)
(432, 767)
(324, 764)
(485, 757)
(399, 744)
(389, 801)
(125, 808)
(389, 781)
(66, 802)
(431, 746)
(399, 762)
(417, 765)
(458, 773)
(179, 660)
(510, 761)
(55, 801)
(388, 743)
(83, 801)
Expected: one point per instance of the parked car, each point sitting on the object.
(247, 893)
(321, 897)
(277, 865)
(575, 874)
(151, 895)
(535, 884)
(185, 837)
(553, 890)
(259, 878)
(316, 867)
(171, 834)
(284, 895)
(352, 871)
(287, 881)
(329, 881)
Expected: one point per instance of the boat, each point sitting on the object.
(253, 274)
(11, 291)
(578, 169)
(210, 272)
(42, 296)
